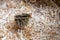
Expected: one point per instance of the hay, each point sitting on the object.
(44, 24)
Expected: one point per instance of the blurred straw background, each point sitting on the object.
(44, 24)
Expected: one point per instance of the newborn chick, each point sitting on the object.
(22, 20)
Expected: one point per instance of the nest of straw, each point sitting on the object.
(44, 23)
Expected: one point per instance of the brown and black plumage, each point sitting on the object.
(22, 20)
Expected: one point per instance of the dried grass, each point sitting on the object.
(44, 24)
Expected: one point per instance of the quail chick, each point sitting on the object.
(22, 20)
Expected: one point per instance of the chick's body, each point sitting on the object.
(22, 20)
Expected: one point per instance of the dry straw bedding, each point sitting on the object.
(44, 23)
